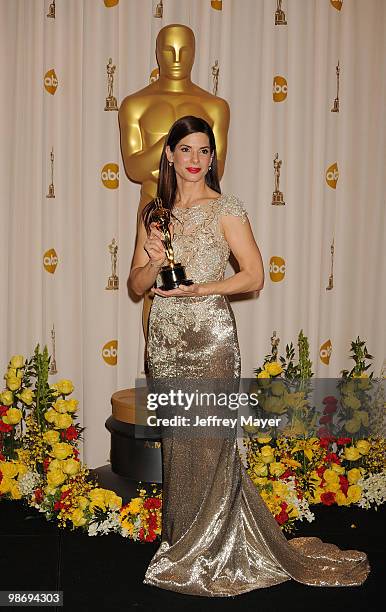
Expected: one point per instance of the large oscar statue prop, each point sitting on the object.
(146, 116)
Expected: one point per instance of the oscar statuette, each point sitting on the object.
(173, 274)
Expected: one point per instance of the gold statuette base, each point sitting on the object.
(277, 199)
(113, 282)
(111, 104)
(51, 191)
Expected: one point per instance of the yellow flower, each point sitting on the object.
(12, 416)
(71, 467)
(317, 493)
(55, 477)
(26, 396)
(61, 450)
(291, 462)
(50, 415)
(330, 476)
(341, 499)
(277, 388)
(354, 475)
(72, 405)
(77, 517)
(13, 382)
(292, 511)
(352, 425)
(55, 464)
(264, 439)
(250, 428)
(6, 398)
(273, 368)
(315, 479)
(263, 374)
(21, 468)
(17, 361)
(339, 469)
(364, 417)
(351, 453)
(6, 485)
(266, 453)
(60, 406)
(352, 402)
(51, 436)
(332, 486)
(280, 488)
(9, 469)
(82, 501)
(277, 468)
(113, 500)
(14, 490)
(296, 401)
(363, 446)
(258, 481)
(65, 387)
(274, 404)
(13, 372)
(307, 446)
(62, 421)
(260, 469)
(354, 493)
(135, 505)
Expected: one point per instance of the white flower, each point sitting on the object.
(373, 490)
(28, 483)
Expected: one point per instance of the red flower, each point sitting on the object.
(330, 399)
(71, 433)
(282, 517)
(3, 409)
(343, 483)
(286, 474)
(38, 495)
(323, 432)
(152, 502)
(141, 534)
(46, 463)
(343, 441)
(320, 471)
(329, 409)
(328, 498)
(4, 427)
(58, 505)
(324, 442)
(76, 453)
(333, 458)
(2, 458)
(327, 418)
(150, 537)
(1, 476)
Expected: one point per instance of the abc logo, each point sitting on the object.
(276, 268)
(325, 352)
(110, 3)
(110, 352)
(50, 81)
(154, 75)
(216, 4)
(110, 176)
(50, 260)
(279, 91)
(332, 175)
(337, 4)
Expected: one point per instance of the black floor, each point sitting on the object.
(106, 572)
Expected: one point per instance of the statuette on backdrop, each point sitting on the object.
(335, 108)
(279, 14)
(274, 344)
(159, 10)
(53, 368)
(215, 73)
(277, 196)
(173, 274)
(51, 187)
(113, 280)
(331, 277)
(111, 101)
(51, 10)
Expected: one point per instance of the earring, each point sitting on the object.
(210, 168)
(170, 163)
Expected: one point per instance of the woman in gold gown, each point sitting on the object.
(218, 536)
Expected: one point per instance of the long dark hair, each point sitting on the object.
(167, 182)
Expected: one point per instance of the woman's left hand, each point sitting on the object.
(182, 291)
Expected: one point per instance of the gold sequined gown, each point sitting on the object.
(218, 536)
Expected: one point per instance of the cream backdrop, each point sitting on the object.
(345, 203)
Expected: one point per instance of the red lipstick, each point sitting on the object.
(193, 170)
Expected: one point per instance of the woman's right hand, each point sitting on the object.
(154, 246)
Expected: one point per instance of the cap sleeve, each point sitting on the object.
(232, 205)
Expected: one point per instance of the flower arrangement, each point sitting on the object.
(327, 459)
(39, 458)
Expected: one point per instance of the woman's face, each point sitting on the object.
(191, 157)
